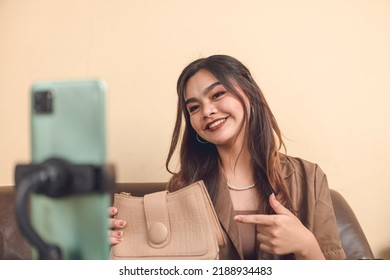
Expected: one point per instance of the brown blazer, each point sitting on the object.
(309, 192)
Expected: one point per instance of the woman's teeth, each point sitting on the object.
(214, 124)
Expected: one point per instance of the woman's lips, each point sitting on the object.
(215, 124)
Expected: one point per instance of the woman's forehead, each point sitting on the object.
(199, 83)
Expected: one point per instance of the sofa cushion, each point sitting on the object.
(13, 245)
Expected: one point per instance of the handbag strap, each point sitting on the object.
(213, 216)
(157, 219)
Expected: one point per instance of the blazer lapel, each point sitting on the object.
(225, 212)
(287, 167)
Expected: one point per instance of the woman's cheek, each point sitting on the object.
(194, 125)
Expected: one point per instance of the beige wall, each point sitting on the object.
(323, 65)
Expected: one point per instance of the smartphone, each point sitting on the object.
(68, 122)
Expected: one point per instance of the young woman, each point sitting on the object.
(270, 205)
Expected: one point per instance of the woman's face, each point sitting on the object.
(216, 114)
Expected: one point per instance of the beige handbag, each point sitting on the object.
(164, 225)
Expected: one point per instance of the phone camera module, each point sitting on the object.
(43, 102)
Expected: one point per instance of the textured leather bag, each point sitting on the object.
(164, 225)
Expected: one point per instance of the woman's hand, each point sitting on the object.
(283, 233)
(115, 233)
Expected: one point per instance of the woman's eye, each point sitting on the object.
(193, 108)
(218, 94)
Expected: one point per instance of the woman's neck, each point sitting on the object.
(236, 163)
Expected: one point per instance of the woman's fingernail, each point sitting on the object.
(119, 233)
(122, 223)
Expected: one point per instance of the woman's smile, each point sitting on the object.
(216, 124)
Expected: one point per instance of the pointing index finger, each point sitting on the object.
(259, 219)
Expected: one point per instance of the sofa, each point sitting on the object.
(14, 246)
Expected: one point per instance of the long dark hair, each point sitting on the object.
(201, 161)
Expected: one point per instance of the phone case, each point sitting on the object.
(68, 122)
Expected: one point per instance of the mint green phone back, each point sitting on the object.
(74, 131)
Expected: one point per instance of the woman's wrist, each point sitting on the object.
(310, 250)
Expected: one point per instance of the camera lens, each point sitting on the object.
(43, 102)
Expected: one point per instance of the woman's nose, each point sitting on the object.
(208, 110)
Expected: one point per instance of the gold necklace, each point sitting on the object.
(240, 188)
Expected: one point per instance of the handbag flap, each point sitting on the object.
(157, 219)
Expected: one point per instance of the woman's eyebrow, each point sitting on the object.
(210, 87)
(205, 91)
